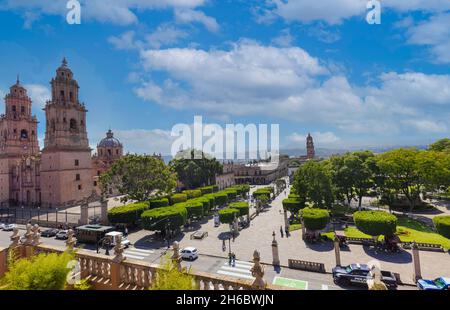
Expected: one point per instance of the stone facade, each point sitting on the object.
(261, 173)
(226, 178)
(62, 173)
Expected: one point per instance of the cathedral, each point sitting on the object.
(64, 172)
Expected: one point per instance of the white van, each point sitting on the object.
(112, 237)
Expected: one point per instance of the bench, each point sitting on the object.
(363, 241)
(425, 246)
(306, 266)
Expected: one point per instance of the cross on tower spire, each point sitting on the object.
(64, 62)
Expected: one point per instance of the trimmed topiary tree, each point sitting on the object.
(157, 219)
(442, 223)
(375, 223)
(177, 198)
(128, 214)
(194, 193)
(194, 209)
(231, 193)
(228, 215)
(241, 206)
(221, 199)
(207, 190)
(293, 205)
(159, 203)
(315, 219)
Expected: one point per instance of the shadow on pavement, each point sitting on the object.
(402, 257)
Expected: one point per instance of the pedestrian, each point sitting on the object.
(287, 231)
(230, 258)
(281, 231)
(126, 231)
(234, 259)
(224, 247)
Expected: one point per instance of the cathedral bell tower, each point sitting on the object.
(310, 152)
(66, 157)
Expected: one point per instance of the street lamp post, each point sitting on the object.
(56, 210)
(39, 214)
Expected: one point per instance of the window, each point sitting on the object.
(79, 187)
(109, 152)
(95, 183)
(71, 96)
(22, 109)
(73, 124)
(14, 108)
(24, 134)
(77, 177)
(61, 94)
(98, 172)
(77, 162)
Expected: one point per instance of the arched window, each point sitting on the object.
(73, 124)
(52, 125)
(24, 134)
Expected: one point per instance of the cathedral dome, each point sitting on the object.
(110, 141)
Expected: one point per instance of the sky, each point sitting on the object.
(314, 66)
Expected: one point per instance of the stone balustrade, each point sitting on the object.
(119, 273)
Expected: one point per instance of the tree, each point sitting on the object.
(442, 145)
(228, 215)
(442, 223)
(40, 272)
(162, 218)
(128, 214)
(315, 219)
(410, 171)
(312, 182)
(169, 278)
(376, 223)
(292, 205)
(194, 173)
(342, 178)
(140, 177)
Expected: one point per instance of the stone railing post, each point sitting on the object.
(337, 251)
(104, 211)
(116, 262)
(416, 261)
(176, 258)
(71, 240)
(36, 235)
(3, 261)
(286, 222)
(303, 228)
(258, 272)
(28, 243)
(275, 253)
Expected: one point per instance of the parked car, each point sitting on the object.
(189, 253)
(9, 227)
(52, 232)
(439, 284)
(2, 225)
(358, 274)
(62, 235)
(112, 238)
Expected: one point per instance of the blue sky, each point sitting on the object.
(309, 65)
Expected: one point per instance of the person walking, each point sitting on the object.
(281, 231)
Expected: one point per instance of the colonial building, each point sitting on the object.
(261, 173)
(296, 162)
(62, 174)
(226, 178)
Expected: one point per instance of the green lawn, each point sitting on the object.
(294, 227)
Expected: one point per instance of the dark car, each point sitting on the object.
(358, 274)
(50, 233)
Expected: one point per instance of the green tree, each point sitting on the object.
(375, 223)
(159, 219)
(315, 219)
(40, 272)
(140, 177)
(194, 173)
(342, 178)
(442, 145)
(169, 278)
(410, 172)
(312, 182)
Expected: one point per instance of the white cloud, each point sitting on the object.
(322, 138)
(121, 12)
(434, 33)
(427, 126)
(189, 16)
(285, 38)
(287, 83)
(125, 41)
(335, 11)
(39, 94)
(165, 35)
(146, 141)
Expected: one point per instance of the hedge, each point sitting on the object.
(221, 198)
(194, 208)
(207, 190)
(292, 205)
(194, 193)
(212, 200)
(294, 196)
(215, 188)
(242, 206)
(128, 214)
(241, 189)
(228, 215)
(442, 223)
(206, 204)
(159, 203)
(154, 219)
(315, 219)
(261, 192)
(177, 198)
(375, 223)
(231, 193)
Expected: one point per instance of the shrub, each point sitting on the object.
(128, 214)
(228, 215)
(294, 196)
(262, 192)
(159, 203)
(442, 223)
(241, 206)
(315, 219)
(206, 203)
(221, 198)
(39, 272)
(212, 200)
(169, 278)
(215, 188)
(177, 198)
(231, 193)
(157, 219)
(194, 209)
(293, 205)
(207, 190)
(194, 193)
(375, 223)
